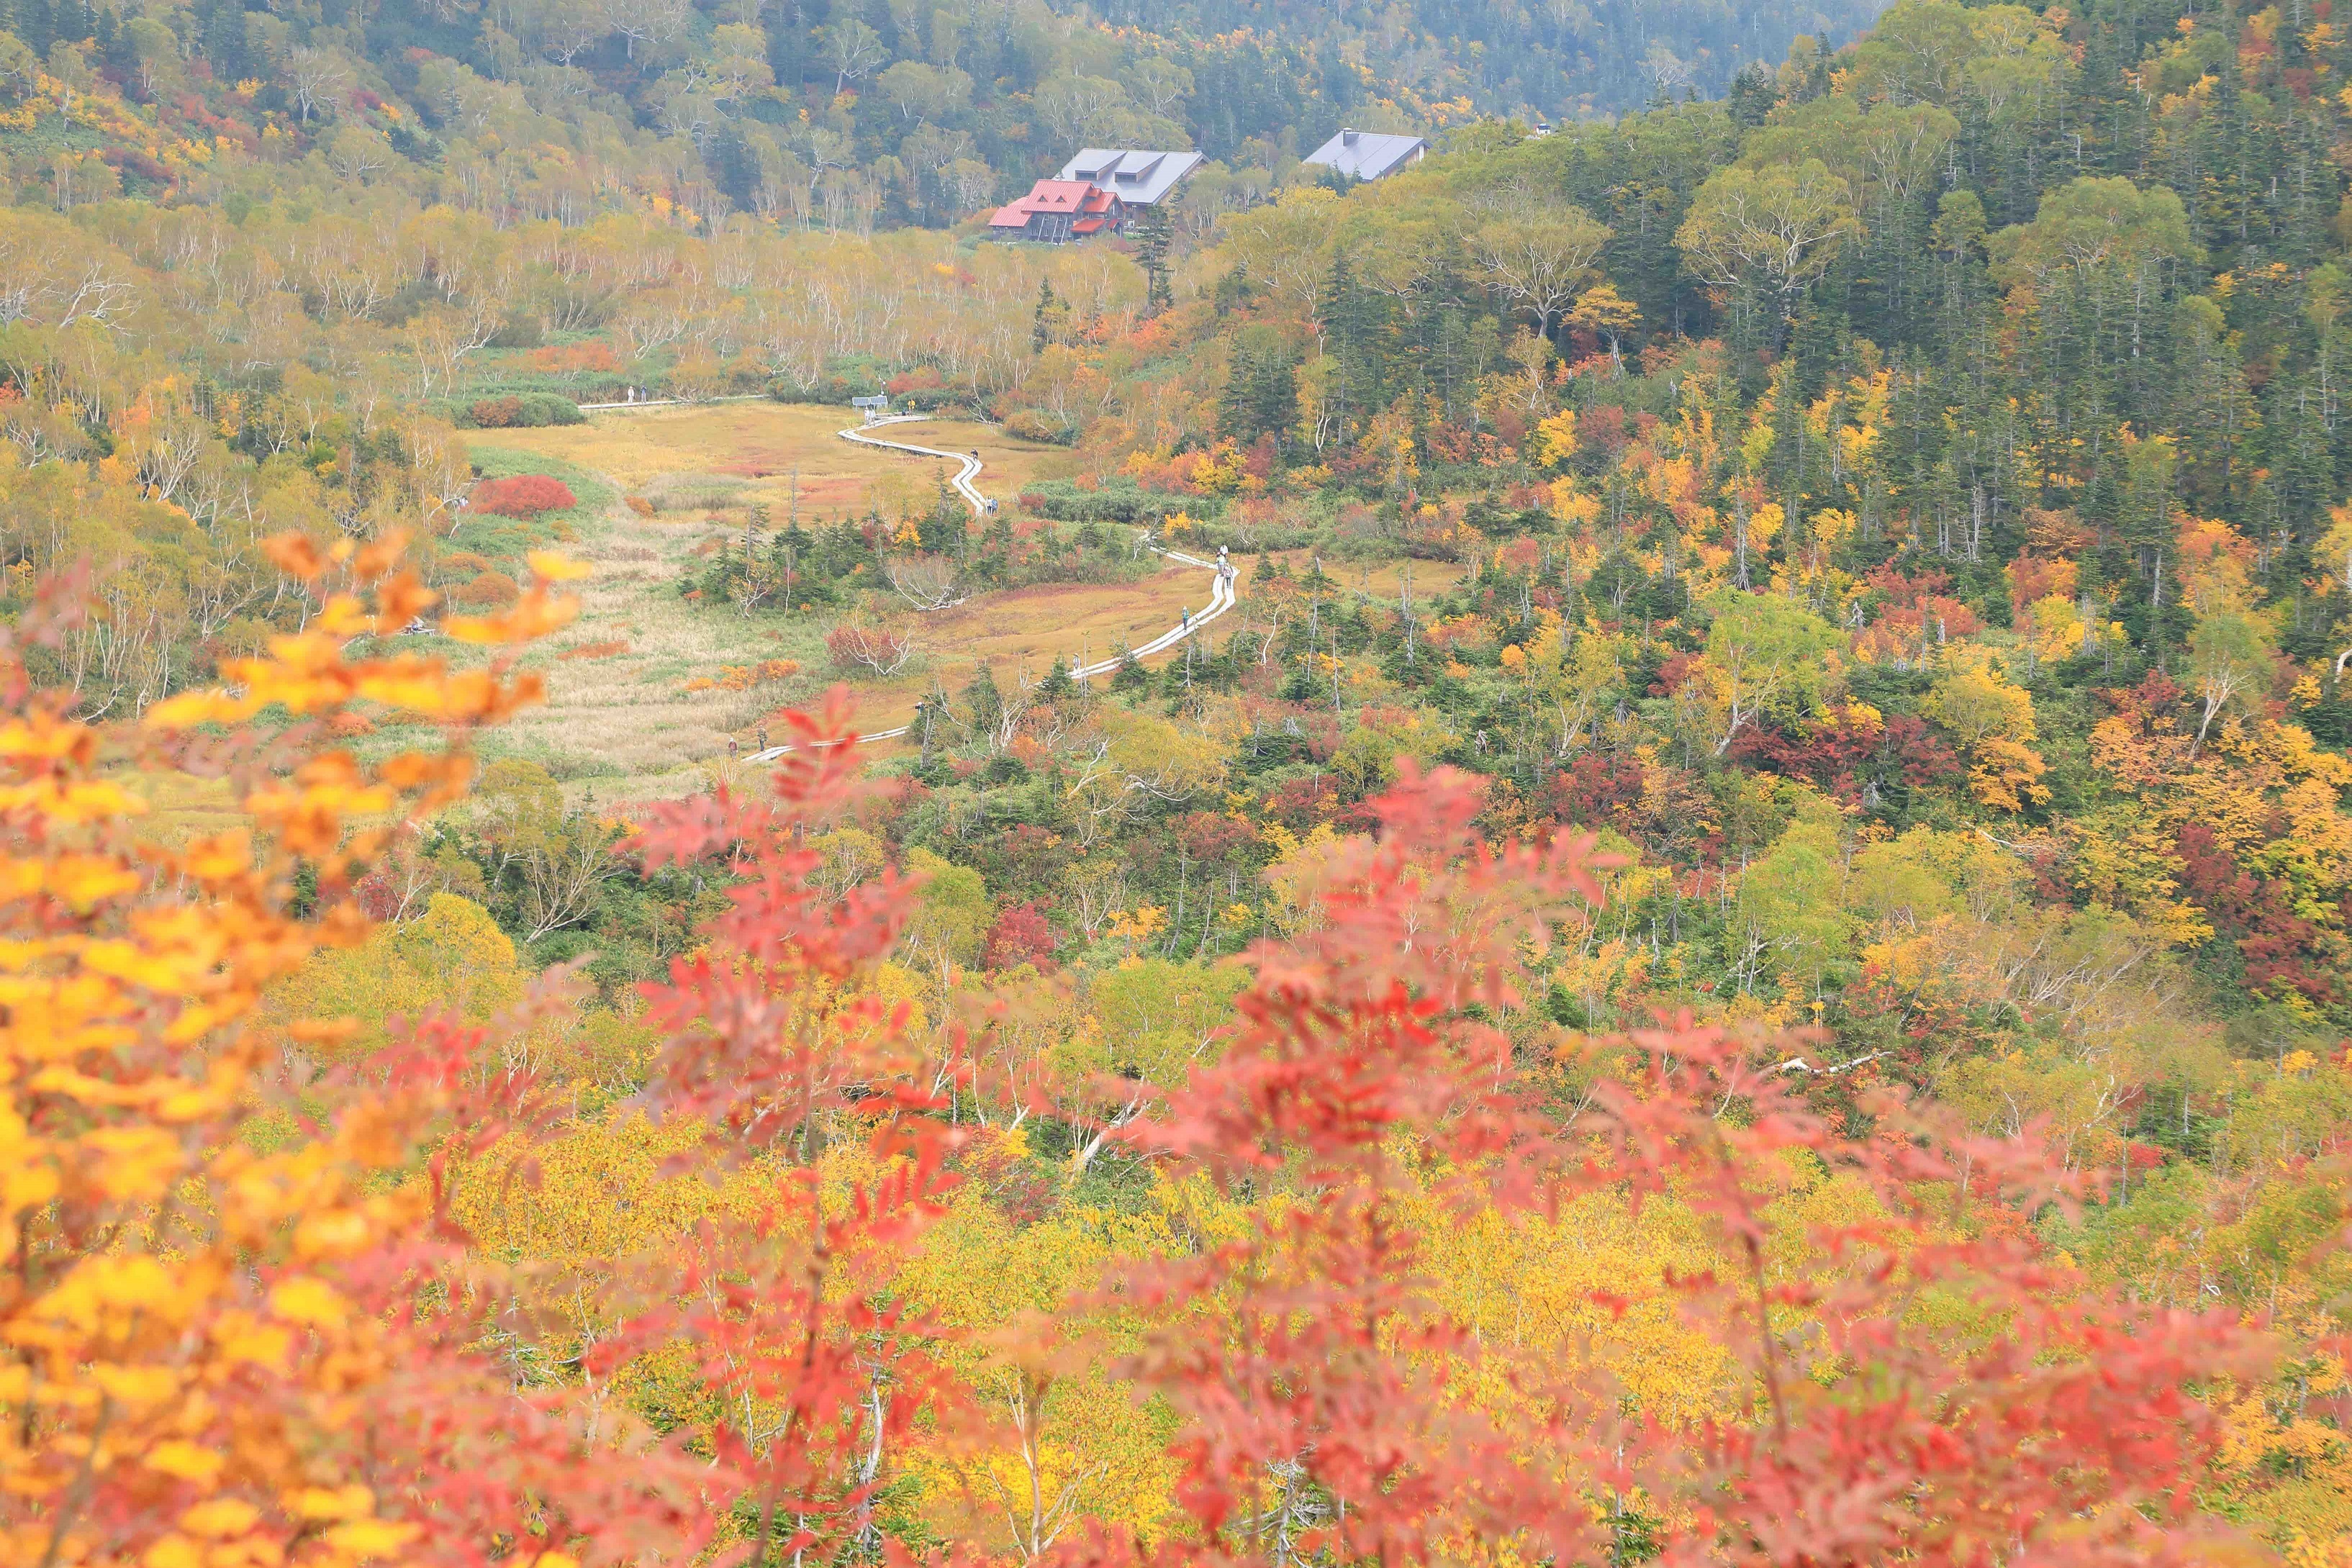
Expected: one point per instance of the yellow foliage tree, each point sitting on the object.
(219, 1352)
(1993, 722)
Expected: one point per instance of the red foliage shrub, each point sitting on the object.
(1299, 804)
(1259, 460)
(2055, 1419)
(1907, 631)
(1020, 936)
(1926, 1018)
(1902, 589)
(2032, 577)
(524, 495)
(495, 413)
(1521, 556)
(491, 590)
(1854, 759)
(1451, 443)
(1671, 673)
(593, 355)
(1595, 791)
(1602, 428)
(2281, 951)
(1212, 837)
(790, 1327)
(131, 161)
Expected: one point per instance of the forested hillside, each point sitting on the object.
(1740, 950)
(826, 112)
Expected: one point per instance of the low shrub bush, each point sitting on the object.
(491, 590)
(524, 495)
(531, 410)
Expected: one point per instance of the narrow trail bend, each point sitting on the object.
(1221, 580)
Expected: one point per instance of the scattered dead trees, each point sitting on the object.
(929, 582)
(869, 649)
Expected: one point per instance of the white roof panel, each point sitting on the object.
(1366, 154)
(1139, 176)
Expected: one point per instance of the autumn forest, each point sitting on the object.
(1629, 846)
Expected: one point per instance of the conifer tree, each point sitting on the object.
(1053, 316)
(1152, 232)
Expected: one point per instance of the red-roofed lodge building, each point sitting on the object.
(1058, 211)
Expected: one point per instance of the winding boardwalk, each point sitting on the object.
(1221, 581)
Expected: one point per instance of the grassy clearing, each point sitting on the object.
(618, 712)
(1011, 462)
(619, 717)
(1027, 628)
(617, 704)
(508, 538)
(741, 453)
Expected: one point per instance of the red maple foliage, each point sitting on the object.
(2282, 950)
(1300, 803)
(1020, 936)
(1929, 1387)
(1596, 790)
(815, 1368)
(1212, 837)
(1857, 758)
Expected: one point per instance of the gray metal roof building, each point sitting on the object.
(1367, 154)
(1135, 177)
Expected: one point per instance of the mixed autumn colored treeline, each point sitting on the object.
(832, 114)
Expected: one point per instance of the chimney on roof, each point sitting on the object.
(1348, 136)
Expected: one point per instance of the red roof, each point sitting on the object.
(1079, 198)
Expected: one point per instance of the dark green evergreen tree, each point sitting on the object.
(225, 48)
(1153, 231)
(1261, 395)
(1051, 319)
(1352, 319)
(984, 700)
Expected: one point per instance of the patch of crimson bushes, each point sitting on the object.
(524, 495)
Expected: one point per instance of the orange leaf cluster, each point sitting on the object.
(226, 1348)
